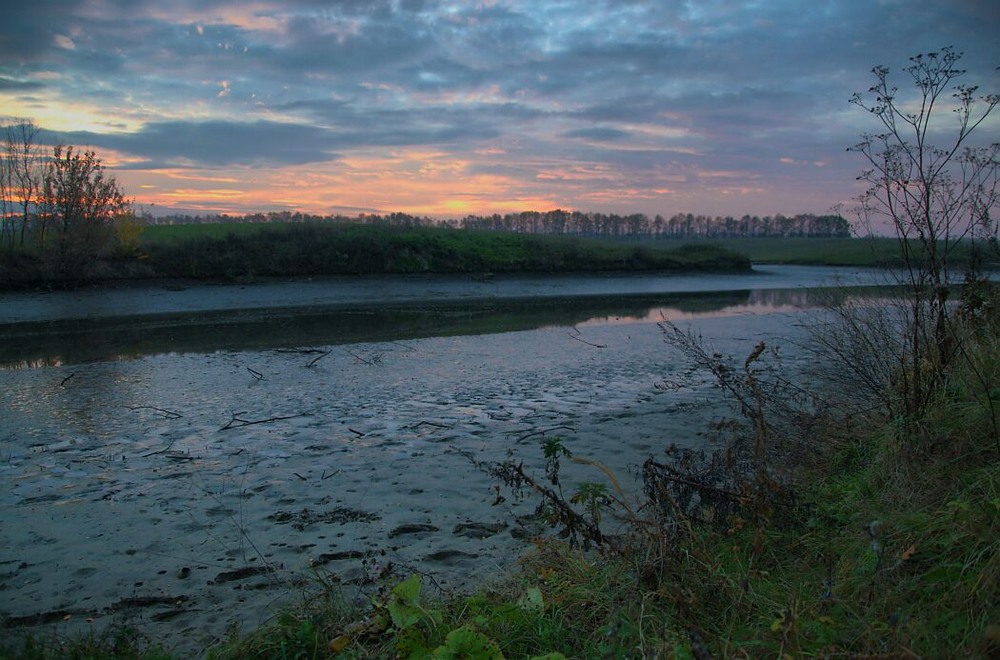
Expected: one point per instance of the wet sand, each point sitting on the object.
(189, 493)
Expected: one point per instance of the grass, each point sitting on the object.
(311, 249)
(114, 643)
(877, 251)
(241, 252)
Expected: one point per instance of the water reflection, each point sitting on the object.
(53, 343)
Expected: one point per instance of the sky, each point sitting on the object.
(444, 109)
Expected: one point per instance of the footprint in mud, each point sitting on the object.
(478, 530)
(412, 528)
(448, 555)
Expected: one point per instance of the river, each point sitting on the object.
(187, 457)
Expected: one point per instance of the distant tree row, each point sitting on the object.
(678, 226)
(577, 223)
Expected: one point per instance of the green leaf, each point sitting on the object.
(533, 601)
(408, 591)
(404, 606)
(465, 642)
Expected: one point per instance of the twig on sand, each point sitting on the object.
(65, 380)
(544, 431)
(312, 363)
(584, 341)
(237, 422)
(375, 360)
(167, 414)
(318, 352)
(426, 423)
(160, 451)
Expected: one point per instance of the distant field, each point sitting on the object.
(880, 251)
(829, 251)
(516, 248)
(234, 251)
(826, 251)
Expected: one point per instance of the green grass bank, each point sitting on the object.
(236, 251)
(240, 252)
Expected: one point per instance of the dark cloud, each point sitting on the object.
(647, 89)
(10, 85)
(27, 29)
(597, 133)
(219, 143)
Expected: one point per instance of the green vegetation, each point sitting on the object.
(230, 252)
(320, 249)
(860, 252)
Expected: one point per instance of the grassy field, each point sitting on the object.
(241, 251)
(825, 251)
(878, 251)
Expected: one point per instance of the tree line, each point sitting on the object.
(575, 223)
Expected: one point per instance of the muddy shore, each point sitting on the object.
(190, 493)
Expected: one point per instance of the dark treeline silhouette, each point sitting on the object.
(575, 223)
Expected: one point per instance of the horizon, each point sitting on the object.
(448, 109)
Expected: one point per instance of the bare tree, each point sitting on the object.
(933, 197)
(20, 177)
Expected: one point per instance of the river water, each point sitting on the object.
(185, 457)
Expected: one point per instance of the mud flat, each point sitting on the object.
(194, 492)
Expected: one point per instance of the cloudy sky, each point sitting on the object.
(455, 107)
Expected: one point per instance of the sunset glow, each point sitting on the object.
(447, 109)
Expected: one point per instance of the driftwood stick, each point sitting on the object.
(544, 431)
(167, 414)
(160, 451)
(376, 359)
(584, 341)
(236, 422)
(434, 424)
(312, 363)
